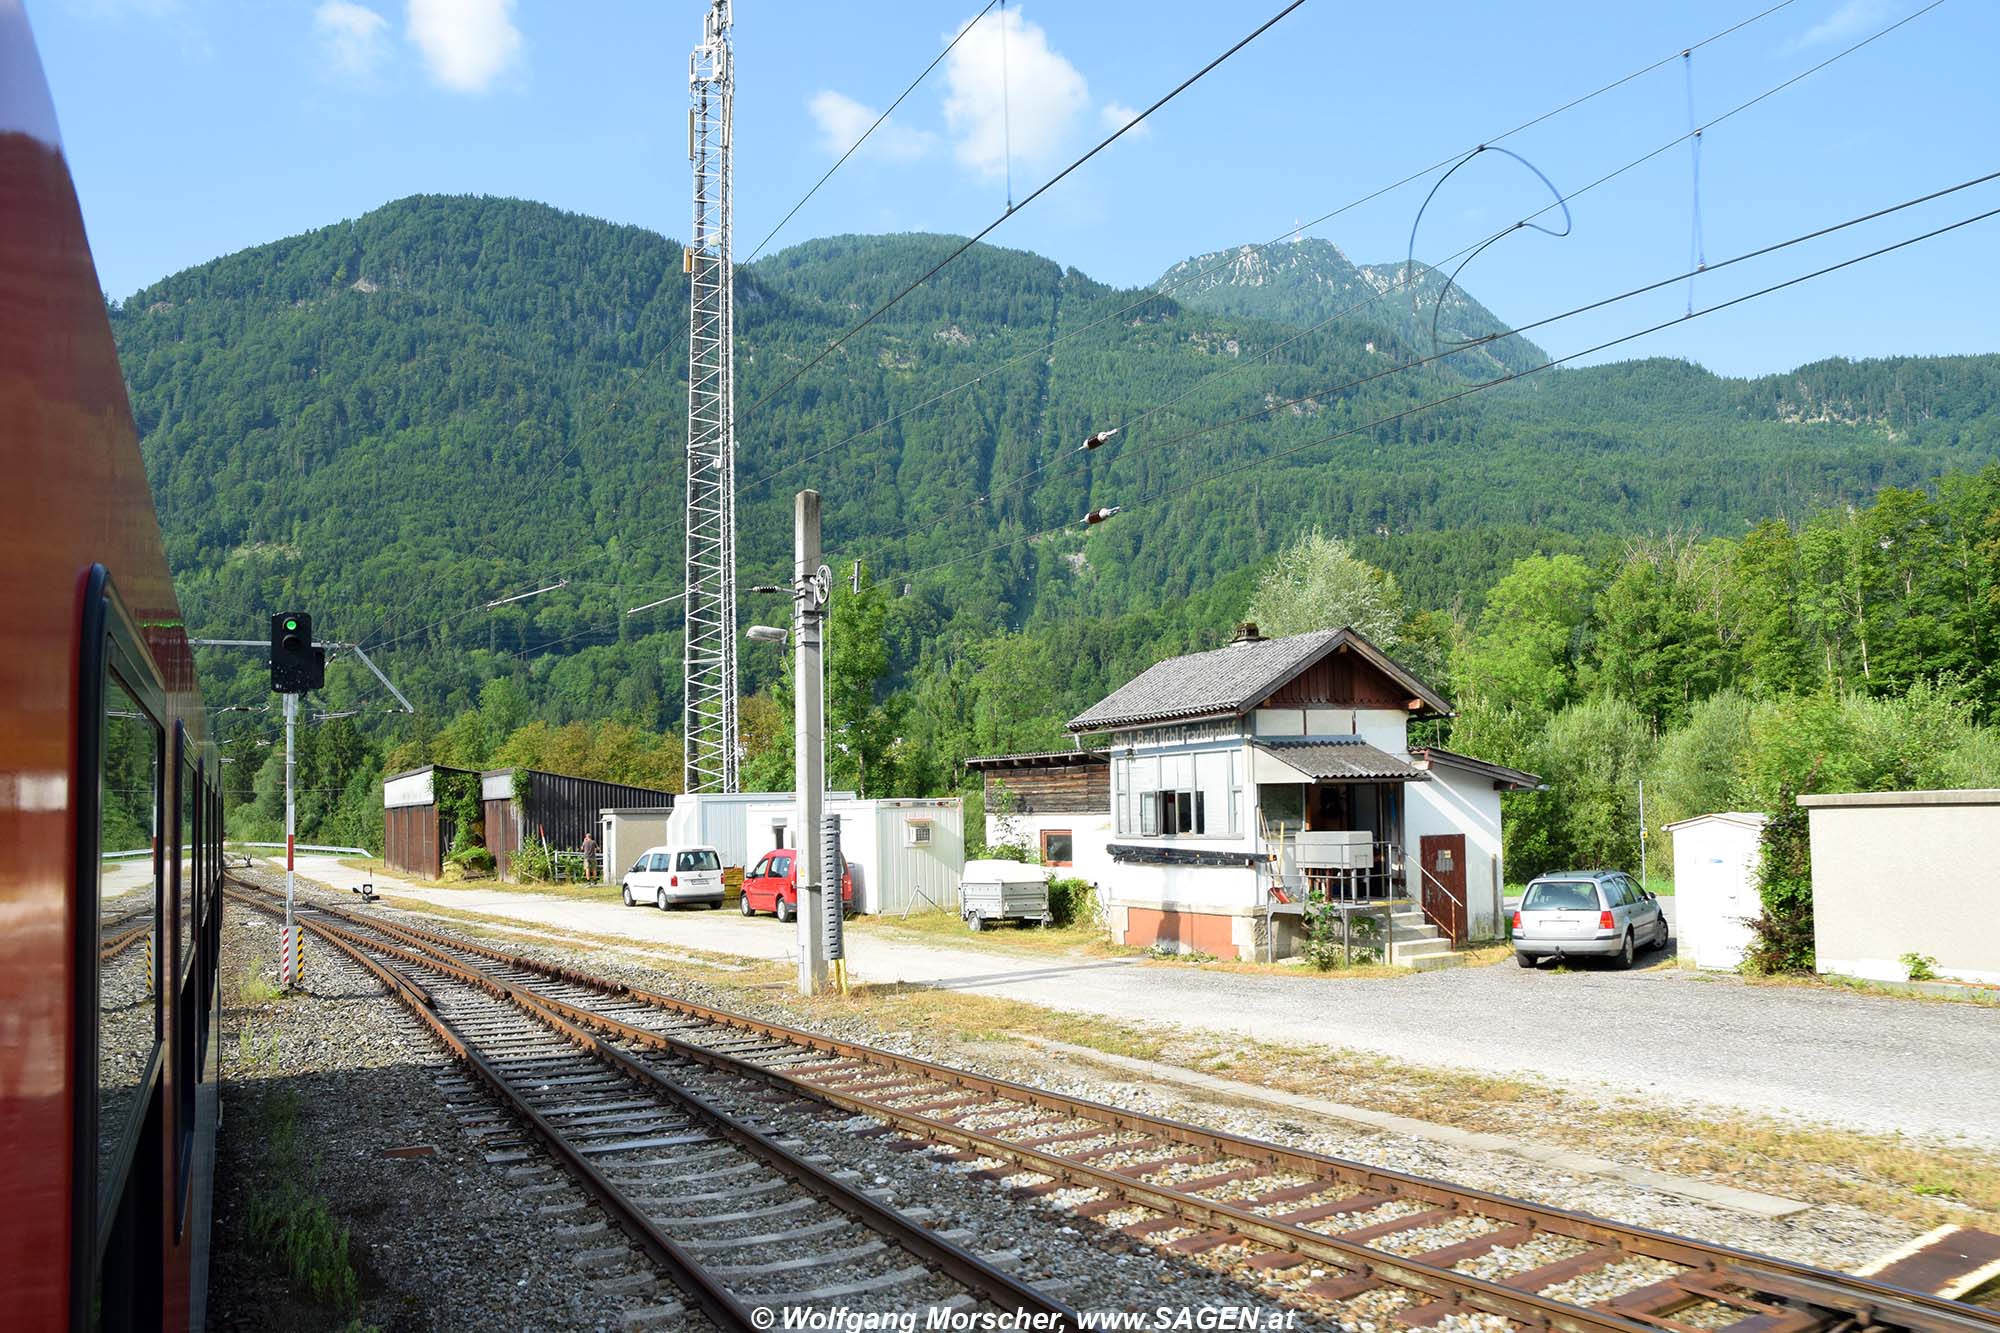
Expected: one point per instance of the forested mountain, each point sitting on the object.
(1307, 282)
(394, 420)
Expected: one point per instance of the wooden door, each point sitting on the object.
(1442, 857)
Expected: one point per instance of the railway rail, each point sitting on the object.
(1308, 1227)
(733, 1217)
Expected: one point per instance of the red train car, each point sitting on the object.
(110, 809)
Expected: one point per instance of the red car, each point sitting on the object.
(772, 885)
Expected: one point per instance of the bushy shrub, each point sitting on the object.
(1073, 902)
(475, 862)
(1781, 937)
(533, 863)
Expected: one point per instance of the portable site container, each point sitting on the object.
(720, 820)
(905, 853)
(1004, 891)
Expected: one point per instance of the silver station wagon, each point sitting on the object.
(1587, 913)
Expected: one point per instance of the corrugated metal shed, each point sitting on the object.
(553, 807)
(415, 833)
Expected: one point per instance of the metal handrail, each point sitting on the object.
(1463, 911)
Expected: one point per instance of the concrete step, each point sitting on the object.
(1404, 954)
(1435, 962)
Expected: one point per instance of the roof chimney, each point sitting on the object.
(1246, 632)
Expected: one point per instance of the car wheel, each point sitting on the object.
(743, 905)
(626, 891)
(975, 921)
(1663, 935)
(1625, 953)
(785, 912)
(1524, 959)
(660, 899)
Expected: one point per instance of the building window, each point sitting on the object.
(1058, 847)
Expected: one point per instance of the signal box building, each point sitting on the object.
(1237, 781)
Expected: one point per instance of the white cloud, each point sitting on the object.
(1038, 102)
(1115, 114)
(354, 37)
(842, 120)
(466, 43)
(1850, 20)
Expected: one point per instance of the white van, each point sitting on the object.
(663, 876)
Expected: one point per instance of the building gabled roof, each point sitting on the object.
(1502, 775)
(1339, 759)
(1234, 679)
(1041, 759)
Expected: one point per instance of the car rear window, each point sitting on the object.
(701, 860)
(1561, 895)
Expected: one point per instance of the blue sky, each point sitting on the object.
(199, 127)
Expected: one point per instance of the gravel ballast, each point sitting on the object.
(406, 1212)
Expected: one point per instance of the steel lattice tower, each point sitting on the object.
(709, 658)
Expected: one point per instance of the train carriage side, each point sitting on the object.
(110, 808)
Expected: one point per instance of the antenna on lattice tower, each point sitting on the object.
(708, 658)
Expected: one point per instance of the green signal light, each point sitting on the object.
(291, 624)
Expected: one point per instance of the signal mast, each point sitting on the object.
(708, 658)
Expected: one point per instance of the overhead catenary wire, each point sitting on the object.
(624, 389)
(856, 145)
(1033, 195)
(1561, 201)
(1390, 419)
(1225, 258)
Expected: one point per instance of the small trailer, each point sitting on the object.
(1004, 891)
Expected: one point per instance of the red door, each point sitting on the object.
(1442, 858)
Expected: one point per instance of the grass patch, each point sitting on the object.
(253, 989)
(288, 1224)
(1079, 941)
(605, 893)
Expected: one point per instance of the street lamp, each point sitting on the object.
(767, 634)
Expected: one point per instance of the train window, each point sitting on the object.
(185, 887)
(129, 952)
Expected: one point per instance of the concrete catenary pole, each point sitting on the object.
(809, 592)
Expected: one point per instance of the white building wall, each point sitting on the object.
(624, 835)
(1090, 839)
(1715, 887)
(1908, 872)
(891, 874)
(409, 789)
(1457, 800)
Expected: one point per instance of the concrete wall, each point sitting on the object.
(1458, 800)
(1715, 886)
(624, 834)
(1906, 872)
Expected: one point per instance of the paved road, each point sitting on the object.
(1869, 1062)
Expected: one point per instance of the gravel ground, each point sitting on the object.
(1830, 1235)
(451, 1242)
(1461, 1019)
(444, 1243)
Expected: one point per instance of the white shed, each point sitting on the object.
(624, 833)
(906, 854)
(1715, 885)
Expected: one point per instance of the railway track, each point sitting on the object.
(740, 1222)
(1312, 1229)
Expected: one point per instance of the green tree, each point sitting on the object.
(1530, 649)
(1592, 756)
(1319, 583)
